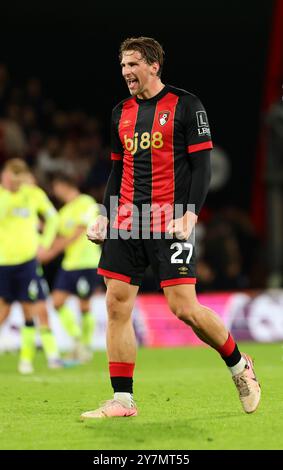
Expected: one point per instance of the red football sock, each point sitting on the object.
(121, 375)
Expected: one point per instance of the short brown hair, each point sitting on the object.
(150, 49)
(17, 166)
(64, 177)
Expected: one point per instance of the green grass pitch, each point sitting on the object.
(185, 396)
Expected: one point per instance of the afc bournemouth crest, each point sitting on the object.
(163, 117)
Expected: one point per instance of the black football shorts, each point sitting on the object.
(172, 260)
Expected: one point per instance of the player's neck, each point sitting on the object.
(12, 188)
(71, 195)
(152, 90)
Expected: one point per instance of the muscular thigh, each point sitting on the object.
(182, 294)
(59, 298)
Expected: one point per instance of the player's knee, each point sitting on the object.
(185, 311)
(57, 305)
(57, 302)
(84, 305)
(118, 307)
(58, 299)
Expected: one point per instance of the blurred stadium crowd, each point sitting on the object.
(52, 139)
(48, 138)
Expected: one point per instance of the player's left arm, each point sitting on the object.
(48, 212)
(200, 180)
(201, 175)
(61, 243)
(198, 144)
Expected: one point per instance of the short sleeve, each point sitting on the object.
(197, 130)
(45, 208)
(43, 203)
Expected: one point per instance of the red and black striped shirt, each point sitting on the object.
(155, 138)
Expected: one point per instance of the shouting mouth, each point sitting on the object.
(132, 83)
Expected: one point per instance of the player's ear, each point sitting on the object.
(155, 68)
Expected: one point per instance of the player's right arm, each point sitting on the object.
(45, 208)
(97, 231)
(60, 244)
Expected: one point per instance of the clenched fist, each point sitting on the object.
(182, 228)
(96, 232)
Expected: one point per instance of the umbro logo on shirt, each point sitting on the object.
(163, 117)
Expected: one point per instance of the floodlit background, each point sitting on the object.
(60, 77)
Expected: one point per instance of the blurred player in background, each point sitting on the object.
(77, 275)
(40, 306)
(161, 156)
(21, 204)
